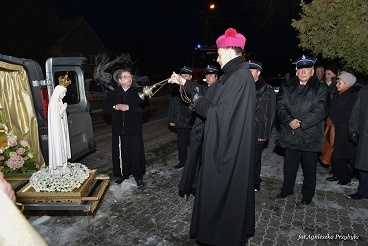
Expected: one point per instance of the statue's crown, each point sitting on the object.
(64, 80)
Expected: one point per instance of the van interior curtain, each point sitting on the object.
(17, 108)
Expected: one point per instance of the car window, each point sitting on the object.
(72, 94)
(96, 86)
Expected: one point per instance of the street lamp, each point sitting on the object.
(207, 31)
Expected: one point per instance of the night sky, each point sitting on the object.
(161, 35)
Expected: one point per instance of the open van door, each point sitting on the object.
(78, 111)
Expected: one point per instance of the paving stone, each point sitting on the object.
(156, 215)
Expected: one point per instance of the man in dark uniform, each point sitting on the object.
(265, 114)
(224, 206)
(302, 106)
(181, 118)
(188, 181)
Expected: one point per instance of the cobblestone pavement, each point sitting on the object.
(156, 215)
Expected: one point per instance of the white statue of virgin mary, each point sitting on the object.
(58, 131)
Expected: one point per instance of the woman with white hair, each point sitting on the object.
(341, 107)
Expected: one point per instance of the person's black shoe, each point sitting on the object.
(257, 187)
(180, 165)
(120, 180)
(305, 201)
(333, 178)
(325, 166)
(140, 183)
(356, 196)
(282, 195)
(182, 193)
(343, 182)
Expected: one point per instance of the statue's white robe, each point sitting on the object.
(58, 133)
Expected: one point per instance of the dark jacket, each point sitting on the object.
(189, 176)
(265, 108)
(125, 123)
(341, 107)
(358, 123)
(332, 89)
(179, 112)
(308, 103)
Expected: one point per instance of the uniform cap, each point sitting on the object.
(305, 62)
(255, 65)
(211, 69)
(186, 70)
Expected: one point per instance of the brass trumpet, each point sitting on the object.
(148, 90)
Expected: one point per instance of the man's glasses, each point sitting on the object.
(125, 77)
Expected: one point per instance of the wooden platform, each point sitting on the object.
(85, 198)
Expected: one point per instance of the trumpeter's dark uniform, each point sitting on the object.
(264, 117)
(183, 119)
(188, 181)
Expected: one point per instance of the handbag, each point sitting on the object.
(328, 143)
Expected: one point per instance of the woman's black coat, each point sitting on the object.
(341, 107)
(358, 124)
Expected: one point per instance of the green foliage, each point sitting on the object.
(336, 29)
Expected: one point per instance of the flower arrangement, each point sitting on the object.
(42, 180)
(16, 157)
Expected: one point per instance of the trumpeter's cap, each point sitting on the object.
(186, 70)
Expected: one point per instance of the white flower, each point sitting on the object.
(24, 143)
(43, 181)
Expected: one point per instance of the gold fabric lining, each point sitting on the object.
(16, 105)
(8, 66)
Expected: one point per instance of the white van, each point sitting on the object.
(25, 93)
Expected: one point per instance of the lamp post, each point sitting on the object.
(207, 31)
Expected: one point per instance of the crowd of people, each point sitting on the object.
(224, 127)
(304, 105)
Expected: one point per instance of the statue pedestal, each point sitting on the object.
(85, 198)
